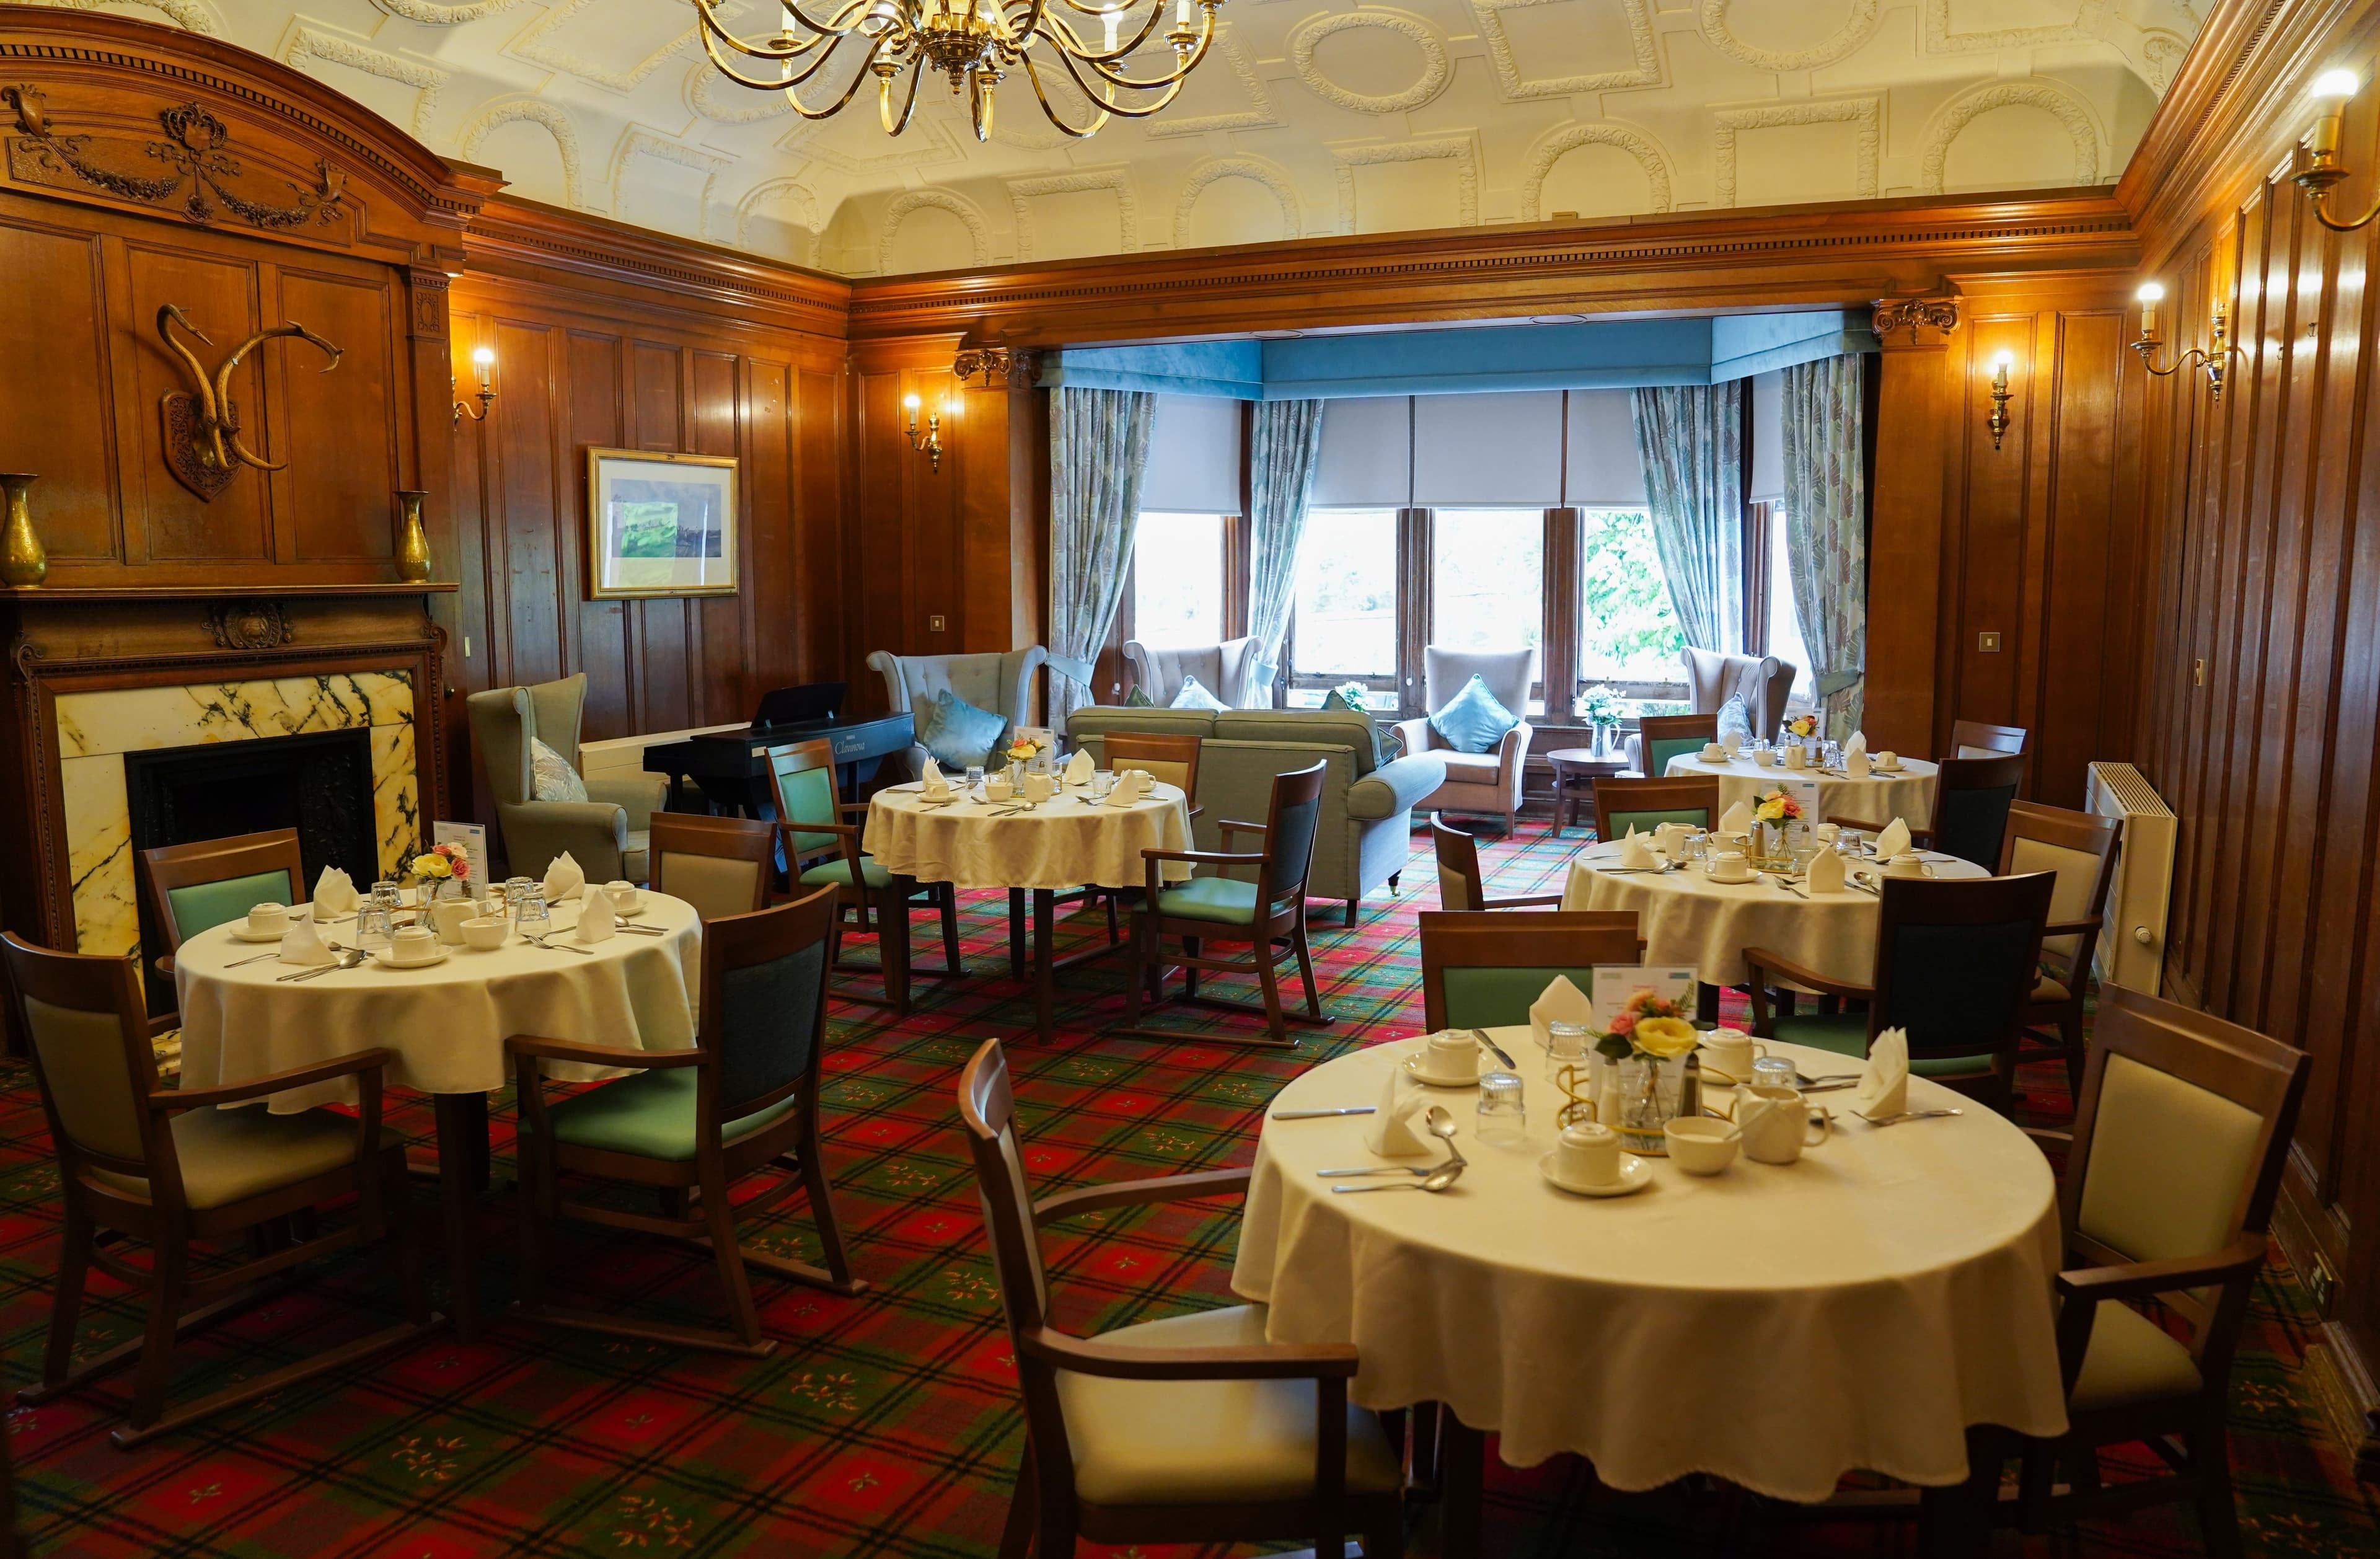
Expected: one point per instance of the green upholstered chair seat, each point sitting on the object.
(230, 1155)
(1205, 1441)
(1222, 899)
(1499, 997)
(838, 871)
(1846, 1034)
(2130, 1359)
(647, 1113)
(203, 906)
(1644, 822)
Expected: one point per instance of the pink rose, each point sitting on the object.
(1623, 1023)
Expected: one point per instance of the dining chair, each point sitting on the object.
(2079, 848)
(691, 1123)
(721, 865)
(1171, 757)
(1483, 972)
(198, 886)
(1660, 738)
(1189, 1430)
(167, 1169)
(1645, 804)
(1973, 738)
(1956, 960)
(1268, 913)
(1972, 797)
(1459, 885)
(822, 851)
(2182, 1132)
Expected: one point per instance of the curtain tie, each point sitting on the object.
(1830, 685)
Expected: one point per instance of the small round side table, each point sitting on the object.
(1575, 771)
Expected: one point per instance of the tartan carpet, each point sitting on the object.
(886, 1424)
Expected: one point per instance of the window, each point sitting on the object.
(1785, 640)
(1487, 580)
(1346, 622)
(1177, 580)
(1628, 634)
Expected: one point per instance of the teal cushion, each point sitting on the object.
(1843, 1033)
(204, 906)
(959, 735)
(1644, 822)
(1473, 721)
(838, 871)
(1139, 698)
(1341, 703)
(1950, 1065)
(1498, 997)
(1194, 695)
(1222, 899)
(1659, 753)
(650, 1114)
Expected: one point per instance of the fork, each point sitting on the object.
(553, 948)
(1910, 1116)
(1790, 886)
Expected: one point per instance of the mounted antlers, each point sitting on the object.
(202, 440)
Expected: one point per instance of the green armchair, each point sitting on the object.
(605, 833)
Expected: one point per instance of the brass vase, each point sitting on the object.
(412, 543)
(22, 561)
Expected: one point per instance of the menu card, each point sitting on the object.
(1617, 984)
(473, 837)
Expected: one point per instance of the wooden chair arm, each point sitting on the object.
(843, 829)
(1861, 824)
(1211, 857)
(1127, 1193)
(166, 964)
(2143, 1280)
(854, 806)
(2073, 928)
(1227, 828)
(1531, 902)
(1269, 1361)
(599, 1056)
(1762, 961)
(173, 1101)
(2048, 1134)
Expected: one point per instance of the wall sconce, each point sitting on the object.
(2150, 296)
(931, 446)
(1999, 420)
(2315, 163)
(484, 359)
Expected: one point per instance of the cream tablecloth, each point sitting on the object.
(446, 1023)
(1778, 1326)
(1064, 843)
(1878, 799)
(1685, 918)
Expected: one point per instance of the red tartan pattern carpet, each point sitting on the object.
(887, 1424)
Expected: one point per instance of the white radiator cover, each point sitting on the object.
(2131, 943)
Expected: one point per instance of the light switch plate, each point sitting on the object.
(933, 624)
(1989, 643)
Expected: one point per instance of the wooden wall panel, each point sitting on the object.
(599, 629)
(218, 296)
(52, 313)
(337, 504)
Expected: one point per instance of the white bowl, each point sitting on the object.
(486, 932)
(1700, 1145)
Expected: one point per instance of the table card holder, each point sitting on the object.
(473, 838)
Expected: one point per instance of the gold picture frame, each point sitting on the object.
(661, 524)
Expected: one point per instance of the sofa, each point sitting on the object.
(1226, 670)
(1365, 833)
(605, 833)
(1475, 782)
(1001, 682)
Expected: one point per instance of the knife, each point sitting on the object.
(1320, 1114)
(1510, 1065)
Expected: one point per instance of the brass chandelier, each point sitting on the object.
(975, 43)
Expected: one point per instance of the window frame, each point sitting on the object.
(1110, 669)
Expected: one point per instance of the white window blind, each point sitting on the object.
(1482, 449)
(1366, 457)
(1767, 438)
(1603, 471)
(1194, 456)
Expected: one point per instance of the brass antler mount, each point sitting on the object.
(203, 447)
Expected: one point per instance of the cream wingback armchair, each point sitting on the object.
(1226, 670)
(1475, 782)
(1761, 682)
(605, 833)
(1001, 682)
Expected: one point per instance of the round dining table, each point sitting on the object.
(1058, 845)
(444, 1024)
(1778, 1326)
(1907, 792)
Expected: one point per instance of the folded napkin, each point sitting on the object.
(334, 893)
(1826, 874)
(598, 921)
(936, 786)
(1884, 1086)
(302, 944)
(563, 877)
(1856, 764)
(1633, 853)
(1560, 1002)
(1737, 820)
(1078, 767)
(1130, 786)
(1857, 744)
(1892, 841)
(1392, 1135)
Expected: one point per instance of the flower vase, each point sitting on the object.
(1016, 774)
(1772, 849)
(23, 563)
(412, 543)
(1648, 1098)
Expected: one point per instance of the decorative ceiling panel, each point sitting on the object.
(1309, 117)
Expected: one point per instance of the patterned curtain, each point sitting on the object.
(1826, 530)
(1690, 440)
(1099, 446)
(1281, 450)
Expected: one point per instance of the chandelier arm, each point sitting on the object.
(844, 20)
(858, 79)
(784, 46)
(908, 105)
(1060, 31)
(1174, 77)
(1048, 111)
(1169, 91)
(765, 85)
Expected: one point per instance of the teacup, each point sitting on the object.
(1908, 863)
(1766, 758)
(1714, 753)
(446, 917)
(1778, 1122)
(268, 920)
(1700, 1145)
(1669, 837)
(1730, 1052)
(412, 944)
(626, 897)
(1451, 1053)
(1587, 1154)
(1731, 866)
(486, 932)
(1887, 760)
(997, 789)
(1797, 757)
(1825, 833)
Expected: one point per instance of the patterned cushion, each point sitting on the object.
(1194, 695)
(1473, 721)
(959, 735)
(1338, 700)
(649, 1113)
(556, 780)
(1139, 698)
(1734, 717)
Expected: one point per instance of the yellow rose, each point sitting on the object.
(1665, 1037)
(432, 866)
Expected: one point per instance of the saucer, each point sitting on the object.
(240, 929)
(1635, 1175)
(1415, 1071)
(380, 956)
(1885, 767)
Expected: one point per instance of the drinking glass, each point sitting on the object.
(375, 924)
(388, 894)
(974, 778)
(1102, 783)
(530, 917)
(515, 887)
(1503, 1116)
(1774, 1071)
(1565, 1046)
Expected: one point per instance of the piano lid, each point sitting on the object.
(807, 703)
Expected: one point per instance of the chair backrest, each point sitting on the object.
(1459, 888)
(721, 865)
(84, 1019)
(1762, 682)
(1956, 960)
(505, 719)
(1296, 814)
(1645, 804)
(1973, 738)
(1506, 673)
(1222, 669)
(1664, 737)
(2180, 1134)
(199, 886)
(1971, 806)
(999, 681)
(1170, 758)
(1483, 970)
(763, 1017)
(2079, 849)
(802, 775)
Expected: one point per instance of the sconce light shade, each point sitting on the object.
(2315, 165)
(2335, 83)
(484, 359)
(1999, 421)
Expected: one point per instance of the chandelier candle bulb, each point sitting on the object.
(1109, 20)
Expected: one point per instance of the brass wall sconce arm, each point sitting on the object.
(484, 358)
(930, 446)
(2216, 356)
(1999, 420)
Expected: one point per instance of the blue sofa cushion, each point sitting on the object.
(1194, 695)
(1473, 721)
(959, 735)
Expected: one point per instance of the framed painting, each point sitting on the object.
(660, 524)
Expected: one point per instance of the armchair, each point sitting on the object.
(1475, 782)
(606, 832)
(1224, 670)
(999, 681)
(1762, 682)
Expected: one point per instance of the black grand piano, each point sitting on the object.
(731, 770)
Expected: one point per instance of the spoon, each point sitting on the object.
(1374, 1169)
(1438, 1180)
(554, 947)
(347, 960)
(1910, 1116)
(1441, 1125)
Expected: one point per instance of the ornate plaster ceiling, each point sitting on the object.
(1310, 117)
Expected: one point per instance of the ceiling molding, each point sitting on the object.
(1435, 68)
(1261, 114)
(639, 141)
(1264, 172)
(535, 111)
(1020, 190)
(189, 15)
(979, 229)
(548, 42)
(1462, 150)
(433, 13)
(317, 41)
(1964, 110)
(1569, 138)
(1865, 113)
(1857, 28)
(1940, 39)
(1646, 70)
